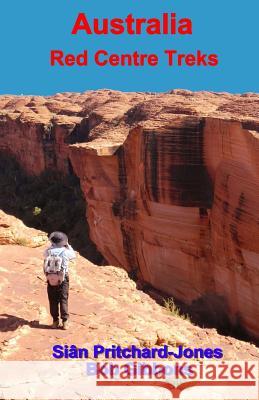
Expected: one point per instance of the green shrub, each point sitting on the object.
(36, 211)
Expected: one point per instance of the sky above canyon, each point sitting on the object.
(31, 29)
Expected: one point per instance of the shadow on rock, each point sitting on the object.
(11, 323)
(49, 202)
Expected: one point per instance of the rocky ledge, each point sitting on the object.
(105, 307)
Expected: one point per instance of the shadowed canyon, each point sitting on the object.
(171, 191)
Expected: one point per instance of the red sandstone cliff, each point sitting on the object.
(171, 182)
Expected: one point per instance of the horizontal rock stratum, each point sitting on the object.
(171, 182)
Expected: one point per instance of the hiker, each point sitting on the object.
(56, 262)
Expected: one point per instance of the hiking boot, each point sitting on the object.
(65, 325)
(55, 324)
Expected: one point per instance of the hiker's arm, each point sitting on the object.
(70, 252)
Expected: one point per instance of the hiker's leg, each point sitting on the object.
(53, 302)
(64, 299)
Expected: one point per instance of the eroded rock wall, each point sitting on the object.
(38, 130)
(179, 207)
(37, 146)
(232, 160)
(22, 141)
(171, 182)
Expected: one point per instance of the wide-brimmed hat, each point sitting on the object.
(59, 239)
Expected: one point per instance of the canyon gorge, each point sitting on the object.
(171, 183)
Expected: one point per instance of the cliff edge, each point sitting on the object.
(171, 182)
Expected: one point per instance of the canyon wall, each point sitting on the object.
(38, 130)
(179, 207)
(171, 182)
(38, 144)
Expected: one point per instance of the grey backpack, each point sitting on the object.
(54, 269)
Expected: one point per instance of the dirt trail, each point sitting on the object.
(105, 307)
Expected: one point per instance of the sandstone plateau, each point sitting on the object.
(171, 183)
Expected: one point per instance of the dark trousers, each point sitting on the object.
(58, 297)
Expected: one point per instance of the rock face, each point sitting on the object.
(38, 130)
(171, 182)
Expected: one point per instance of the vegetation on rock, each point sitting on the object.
(48, 202)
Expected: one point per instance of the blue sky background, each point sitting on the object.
(31, 28)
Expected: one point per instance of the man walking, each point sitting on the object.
(56, 264)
